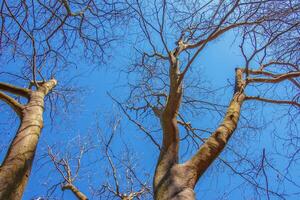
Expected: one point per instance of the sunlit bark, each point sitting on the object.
(16, 167)
(177, 181)
(75, 191)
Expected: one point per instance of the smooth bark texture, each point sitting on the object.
(16, 167)
(169, 152)
(75, 191)
(175, 181)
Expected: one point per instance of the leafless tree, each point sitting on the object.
(16, 167)
(174, 35)
(64, 167)
(120, 181)
(40, 37)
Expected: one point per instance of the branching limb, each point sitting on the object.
(258, 98)
(140, 126)
(69, 11)
(46, 87)
(24, 92)
(117, 178)
(63, 167)
(221, 32)
(214, 145)
(75, 191)
(294, 66)
(277, 79)
(15, 105)
(111, 163)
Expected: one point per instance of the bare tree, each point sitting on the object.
(176, 34)
(64, 168)
(123, 176)
(16, 167)
(40, 37)
(121, 179)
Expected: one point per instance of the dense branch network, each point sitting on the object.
(270, 58)
(40, 40)
(69, 166)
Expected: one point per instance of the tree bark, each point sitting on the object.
(169, 152)
(176, 184)
(16, 167)
(75, 191)
(173, 181)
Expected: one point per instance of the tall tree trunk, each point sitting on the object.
(175, 181)
(177, 184)
(16, 167)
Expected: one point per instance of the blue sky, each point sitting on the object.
(217, 65)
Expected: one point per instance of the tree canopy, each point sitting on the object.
(150, 99)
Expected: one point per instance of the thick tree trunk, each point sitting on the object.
(173, 181)
(177, 184)
(16, 167)
(179, 181)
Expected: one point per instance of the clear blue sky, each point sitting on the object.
(217, 64)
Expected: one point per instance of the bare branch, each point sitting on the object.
(15, 105)
(24, 92)
(258, 98)
(75, 191)
(277, 79)
(136, 123)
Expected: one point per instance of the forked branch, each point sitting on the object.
(15, 105)
(75, 191)
(24, 92)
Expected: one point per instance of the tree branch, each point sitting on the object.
(15, 105)
(142, 128)
(46, 87)
(69, 11)
(24, 92)
(214, 145)
(75, 191)
(220, 32)
(258, 98)
(276, 79)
